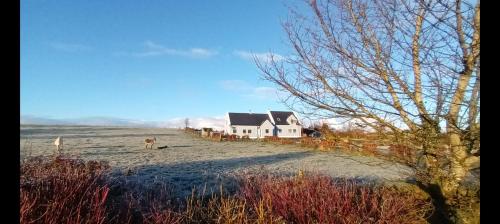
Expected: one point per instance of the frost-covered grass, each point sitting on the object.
(190, 161)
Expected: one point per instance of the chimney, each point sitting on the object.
(250, 111)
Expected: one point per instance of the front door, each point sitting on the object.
(259, 134)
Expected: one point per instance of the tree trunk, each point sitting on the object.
(458, 166)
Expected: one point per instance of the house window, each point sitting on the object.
(267, 131)
(289, 130)
(292, 121)
(279, 130)
(244, 131)
(294, 130)
(234, 130)
(249, 131)
(278, 119)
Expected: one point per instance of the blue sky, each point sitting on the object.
(148, 60)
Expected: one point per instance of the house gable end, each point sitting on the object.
(282, 117)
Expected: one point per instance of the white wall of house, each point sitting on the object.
(297, 118)
(294, 130)
(292, 119)
(267, 125)
(242, 130)
(252, 131)
(289, 131)
(227, 125)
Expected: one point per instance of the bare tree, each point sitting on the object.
(186, 123)
(398, 65)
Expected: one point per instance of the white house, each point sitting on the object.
(251, 124)
(254, 125)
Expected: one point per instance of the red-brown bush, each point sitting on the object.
(62, 190)
(65, 190)
(320, 199)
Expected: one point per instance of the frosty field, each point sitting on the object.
(190, 161)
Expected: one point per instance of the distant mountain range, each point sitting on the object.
(213, 122)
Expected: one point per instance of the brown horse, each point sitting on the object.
(149, 141)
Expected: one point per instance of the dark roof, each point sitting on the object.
(247, 119)
(280, 117)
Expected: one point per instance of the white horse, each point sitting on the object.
(149, 141)
(59, 143)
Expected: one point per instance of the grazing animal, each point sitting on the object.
(59, 143)
(149, 141)
(300, 174)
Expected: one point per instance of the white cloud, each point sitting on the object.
(154, 49)
(31, 119)
(67, 47)
(213, 122)
(335, 123)
(262, 57)
(149, 44)
(345, 124)
(92, 121)
(201, 52)
(216, 123)
(196, 122)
